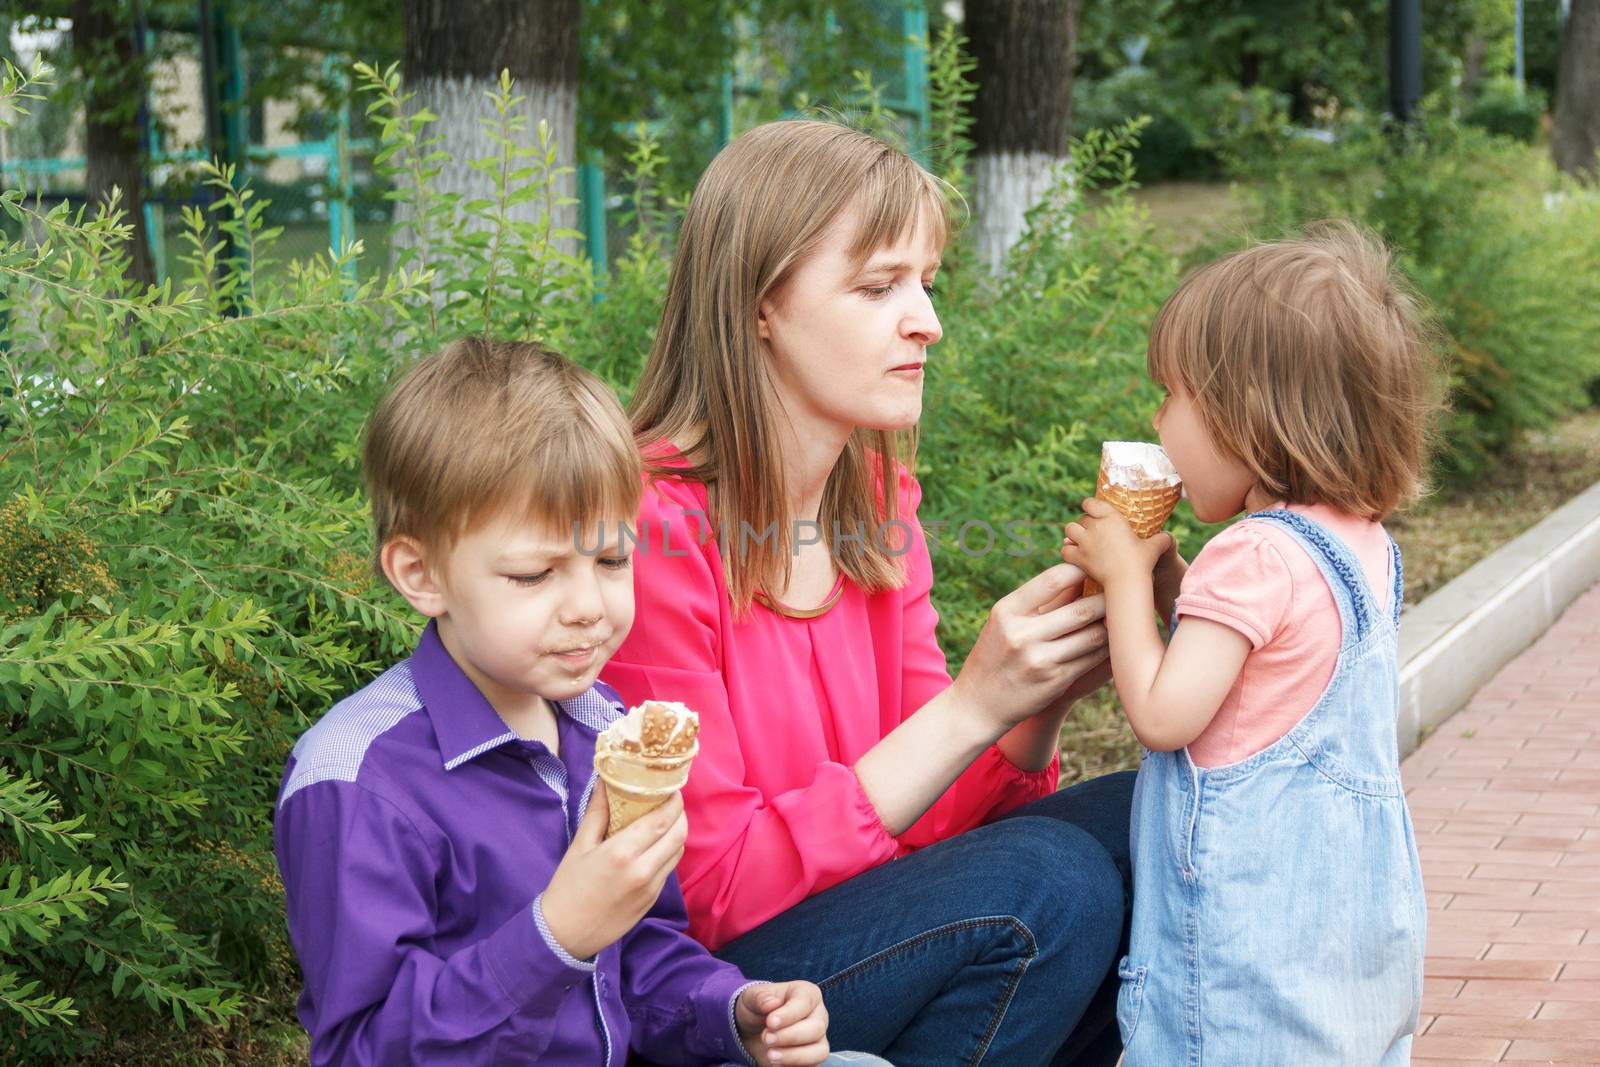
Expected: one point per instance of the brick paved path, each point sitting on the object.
(1506, 798)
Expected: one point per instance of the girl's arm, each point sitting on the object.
(1170, 693)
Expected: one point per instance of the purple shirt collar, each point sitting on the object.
(465, 723)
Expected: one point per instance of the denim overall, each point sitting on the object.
(1278, 914)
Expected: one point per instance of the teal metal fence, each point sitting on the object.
(333, 198)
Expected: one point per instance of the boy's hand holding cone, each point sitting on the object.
(632, 833)
(605, 885)
(1139, 481)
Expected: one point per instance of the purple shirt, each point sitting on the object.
(415, 833)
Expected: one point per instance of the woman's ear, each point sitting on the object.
(407, 565)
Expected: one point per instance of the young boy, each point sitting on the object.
(440, 832)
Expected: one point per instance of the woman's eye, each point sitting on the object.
(529, 579)
(876, 291)
(929, 288)
(616, 563)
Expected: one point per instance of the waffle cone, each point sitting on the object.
(637, 784)
(1146, 509)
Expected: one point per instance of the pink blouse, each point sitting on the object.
(787, 706)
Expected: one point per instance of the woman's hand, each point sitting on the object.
(1038, 642)
(783, 1023)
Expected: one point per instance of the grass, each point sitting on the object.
(1453, 529)
(1440, 538)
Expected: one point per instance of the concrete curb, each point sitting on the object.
(1455, 640)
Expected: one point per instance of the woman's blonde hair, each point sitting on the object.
(1309, 361)
(484, 426)
(763, 205)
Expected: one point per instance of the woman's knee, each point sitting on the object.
(1100, 806)
(1056, 879)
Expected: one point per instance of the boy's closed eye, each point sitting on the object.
(610, 563)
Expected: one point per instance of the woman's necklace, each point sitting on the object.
(778, 607)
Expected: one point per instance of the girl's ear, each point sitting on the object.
(407, 565)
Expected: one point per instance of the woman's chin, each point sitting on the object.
(892, 421)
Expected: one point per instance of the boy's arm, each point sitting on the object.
(679, 997)
(359, 882)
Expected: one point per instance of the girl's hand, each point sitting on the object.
(1168, 576)
(783, 1023)
(1105, 546)
(1038, 641)
(603, 887)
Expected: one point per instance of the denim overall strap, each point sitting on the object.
(1339, 565)
(1397, 600)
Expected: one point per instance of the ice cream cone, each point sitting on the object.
(1142, 488)
(644, 758)
(637, 785)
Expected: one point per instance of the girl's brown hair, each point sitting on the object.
(764, 204)
(1309, 361)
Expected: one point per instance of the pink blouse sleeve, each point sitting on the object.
(749, 856)
(992, 785)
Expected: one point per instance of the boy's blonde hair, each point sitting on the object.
(484, 426)
(764, 204)
(1309, 362)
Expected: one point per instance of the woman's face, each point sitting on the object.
(848, 341)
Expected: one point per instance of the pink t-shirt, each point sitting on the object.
(1255, 577)
(787, 706)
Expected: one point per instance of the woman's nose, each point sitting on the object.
(922, 323)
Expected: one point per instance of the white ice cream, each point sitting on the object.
(1137, 465)
(626, 732)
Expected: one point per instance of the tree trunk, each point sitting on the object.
(454, 53)
(1472, 67)
(1022, 112)
(113, 81)
(1575, 139)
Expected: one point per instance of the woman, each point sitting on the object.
(785, 596)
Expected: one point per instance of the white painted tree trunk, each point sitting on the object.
(463, 105)
(1008, 185)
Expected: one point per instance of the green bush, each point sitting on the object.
(1035, 371)
(1503, 107)
(1500, 245)
(184, 576)
(1173, 143)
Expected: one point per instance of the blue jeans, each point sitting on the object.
(997, 946)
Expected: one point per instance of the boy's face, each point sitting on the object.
(525, 613)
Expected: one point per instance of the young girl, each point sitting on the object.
(1278, 911)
